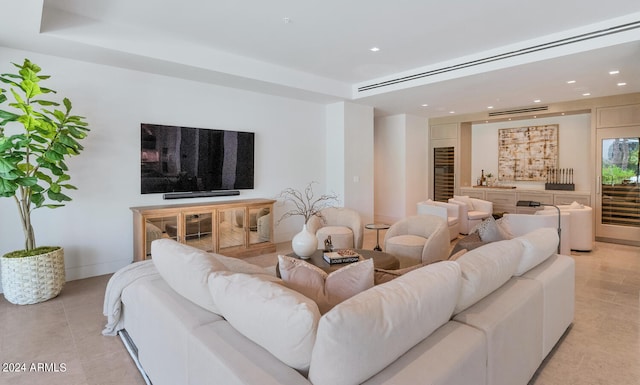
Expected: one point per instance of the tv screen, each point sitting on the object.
(187, 159)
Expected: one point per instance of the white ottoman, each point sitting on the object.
(581, 229)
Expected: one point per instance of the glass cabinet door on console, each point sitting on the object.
(157, 227)
(260, 225)
(238, 228)
(198, 230)
(231, 229)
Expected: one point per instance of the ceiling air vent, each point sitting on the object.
(519, 111)
(506, 55)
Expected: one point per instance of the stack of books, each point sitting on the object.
(341, 256)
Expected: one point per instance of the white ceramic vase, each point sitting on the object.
(304, 243)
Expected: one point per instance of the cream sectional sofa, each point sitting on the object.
(490, 317)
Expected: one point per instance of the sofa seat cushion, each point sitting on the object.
(405, 245)
(364, 334)
(219, 354)
(282, 321)
(341, 237)
(538, 245)
(511, 318)
(485, 269)
(186, 269)
(454, 354)
(327, 290)
(557, 276)
(452, 221)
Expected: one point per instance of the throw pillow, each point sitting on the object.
(186, 269)
(273, 316)
(485, 269)
(327, 290)
(576, 205)
(538, 245)
(489, 231)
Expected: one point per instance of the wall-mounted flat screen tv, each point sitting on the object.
(187, 159)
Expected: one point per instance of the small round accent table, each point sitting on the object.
(377, 227)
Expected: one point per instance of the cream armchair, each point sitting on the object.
(472, 211)
(581, 218)
(344, 225)
(521, 224)
(418, 239)
(448, 211)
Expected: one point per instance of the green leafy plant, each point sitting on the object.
(35, 140)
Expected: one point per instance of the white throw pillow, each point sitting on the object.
(466, 200)
(327, 290)
(362, 335)
(538, 245)
(273, 316)
(186, 270)
(490, 231)
(485, 269)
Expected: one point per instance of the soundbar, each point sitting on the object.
(200, 194)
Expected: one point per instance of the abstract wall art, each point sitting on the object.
(525, 153)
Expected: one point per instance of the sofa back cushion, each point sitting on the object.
(485, 269)
(186, 269)
(282, 321)
(538, 245)
(362, 335)
(327, 290)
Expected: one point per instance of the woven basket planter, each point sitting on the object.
(33, 279)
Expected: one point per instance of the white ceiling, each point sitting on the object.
(319, 50)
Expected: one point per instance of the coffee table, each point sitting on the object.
(381, 260)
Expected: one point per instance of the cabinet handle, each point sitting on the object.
(598, 184)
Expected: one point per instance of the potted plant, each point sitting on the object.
(306, 205)
(36, 137)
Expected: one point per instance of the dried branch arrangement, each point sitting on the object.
(305, 203)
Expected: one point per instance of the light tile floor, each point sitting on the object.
(602, 346)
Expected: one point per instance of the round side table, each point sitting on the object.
(377, 227)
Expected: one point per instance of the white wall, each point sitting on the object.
(351, 140)
(96, 227)
(574, 142)
(401, 152)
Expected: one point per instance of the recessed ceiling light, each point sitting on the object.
(537, 101)
(571, 81)
(490, 107)
(614, 72)
(374, 49)
(587, 94)
(452, 112)
(622, 84)
(425, 105)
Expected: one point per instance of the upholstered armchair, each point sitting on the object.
(581, 218)
(418, 239)
(472, 211)
(448, 211)
(521, 224)
(343, 224)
